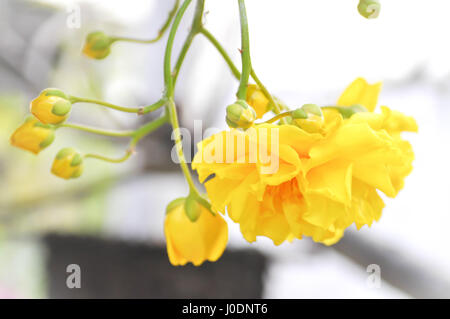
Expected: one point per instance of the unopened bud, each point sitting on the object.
(240, 115)
(369, 9)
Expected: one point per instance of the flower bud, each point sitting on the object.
(68, 164)
(309, 118)
(97, 45)
(240, 115)
(188, 241)
(257, 100)
(347, 112)
(33, 136)
(52, 106)
(369, 9)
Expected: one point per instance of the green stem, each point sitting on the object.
(195, 29)
(97, 131)
(276, 107)
(161, 31)
(75, 99)
(235, 71)
(179, 146)
(222, 52)
(153, 107)
(278, 117)
(168, 78)
(109, 159)
(148, 128)
(245, 52)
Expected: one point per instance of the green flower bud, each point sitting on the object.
(309, 118)
(98, 45)
(369, 9)
(240, 115)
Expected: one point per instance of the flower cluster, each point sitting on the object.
(329, 169)
(50, 108)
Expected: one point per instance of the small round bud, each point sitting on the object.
(97, 45)
(257, 100)
(52, 106)
(347, 112)
(68, 164)
(240, 115)
(309, 118)
(369, 9)
(33, 136)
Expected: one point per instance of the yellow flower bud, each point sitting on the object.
(52, 106)
(309, 118)
(97, 45)
(240, 115)
(195, 242)
(369, 9)
(68, 164)
(257, 100)
(33, 136)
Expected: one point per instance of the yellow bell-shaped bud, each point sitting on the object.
(33, 136)
(195, 242)
(257, 100)
(52, 106)
(68, 164)
(97, 45)
(240, 115)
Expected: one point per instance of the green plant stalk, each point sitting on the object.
(97, 131)
(245, 52)
(109, 159)
(161, 31)
(168, 78)
(75, 99)
(222, 52)
(179, 147)
(195, 29)
(138, 110)
(236, 72)
(277, 117)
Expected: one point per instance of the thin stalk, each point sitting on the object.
(245, 52)
(97, 131)
(161, 31)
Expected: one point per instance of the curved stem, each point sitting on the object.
(161, 31)
(150, 108)
(222, 52)
(109, 159)
(97, 131)
(195, 29)
(276, 107)
(277, 117)
(168, 79)
(245, 52)
(179, 146)
(75, 99)
(148, 128)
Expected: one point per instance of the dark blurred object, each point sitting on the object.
(118, 269)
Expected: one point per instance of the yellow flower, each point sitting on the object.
(68, 164)
(52, 106)
(195, 242)
(257, 100)
(323, 182)
(98, 45)
(33, 136)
